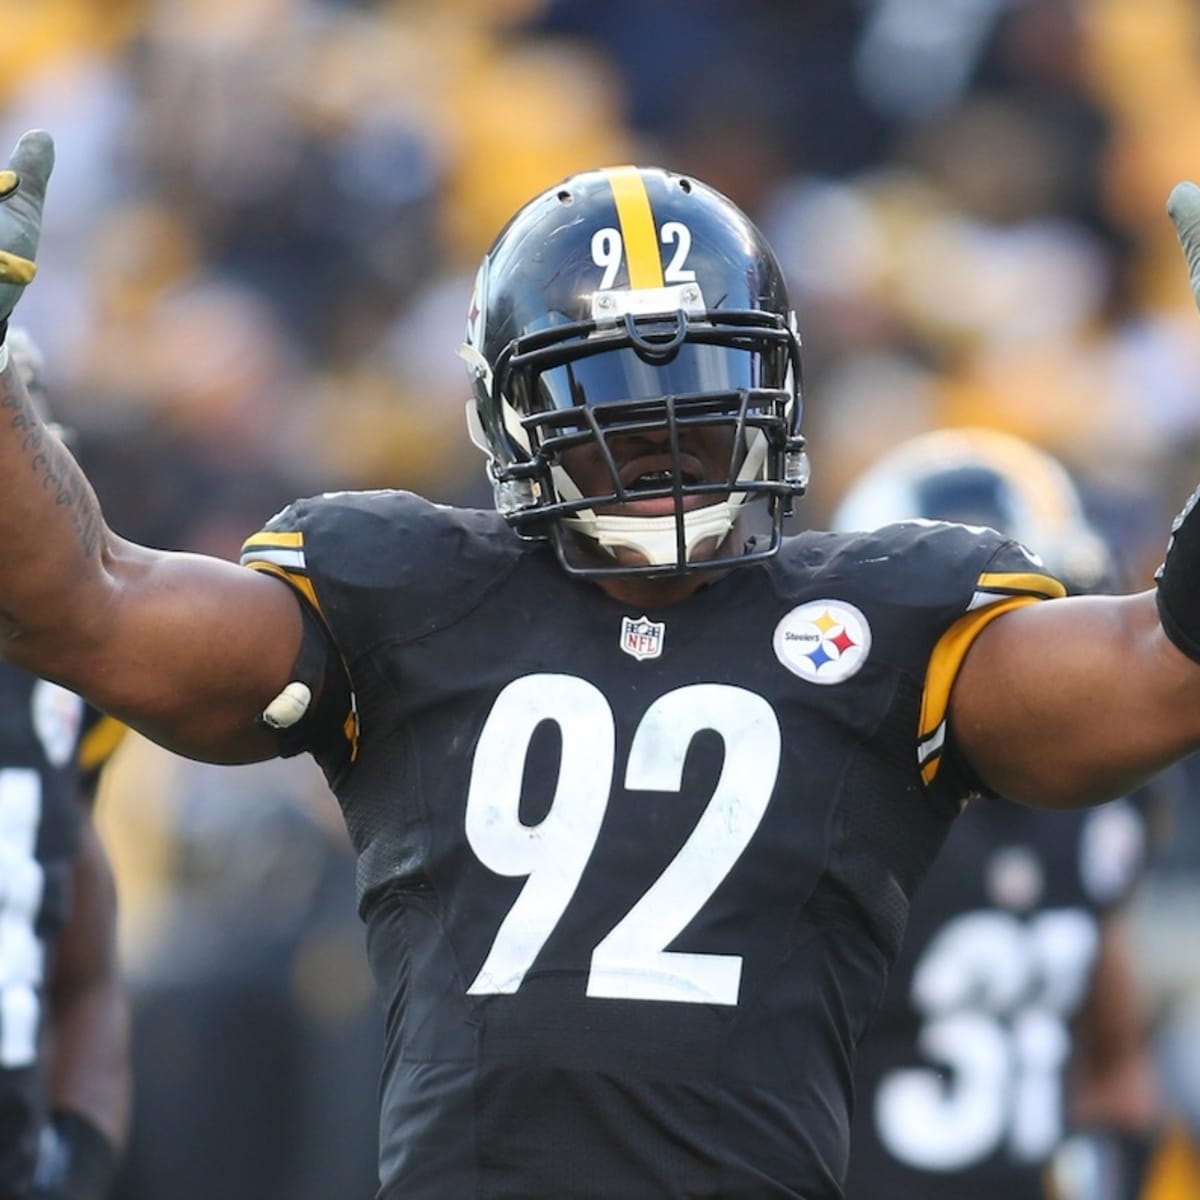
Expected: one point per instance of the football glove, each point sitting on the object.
(22, 194)
(1183, 206)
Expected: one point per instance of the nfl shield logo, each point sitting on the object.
(642, 637)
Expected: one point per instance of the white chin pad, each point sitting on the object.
(654, 538)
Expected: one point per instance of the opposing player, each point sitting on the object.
(1011, 1046)
(64, 1066)
(639, 797)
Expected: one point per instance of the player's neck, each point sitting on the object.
(659, 592)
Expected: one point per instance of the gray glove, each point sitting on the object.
(22, 194)
(1183, 206)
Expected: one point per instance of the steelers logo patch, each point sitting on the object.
(823, 641)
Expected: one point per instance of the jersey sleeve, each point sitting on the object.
(330, 726)
(372, 569)
(1011, 579)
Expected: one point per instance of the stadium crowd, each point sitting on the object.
(264, 224)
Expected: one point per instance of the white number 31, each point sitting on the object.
(631, 961)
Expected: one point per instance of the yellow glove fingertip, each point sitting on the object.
(8, 183)
(14, 269)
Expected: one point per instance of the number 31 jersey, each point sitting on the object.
(632, 879)
(962, 1083)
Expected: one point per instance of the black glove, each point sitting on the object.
(75, 1160)
(22, 194)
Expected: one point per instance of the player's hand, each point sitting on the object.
(1183, 205)
(22, 194)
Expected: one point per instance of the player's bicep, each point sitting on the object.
(189, 650)
(1074, 701)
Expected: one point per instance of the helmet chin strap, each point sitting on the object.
(655, 538)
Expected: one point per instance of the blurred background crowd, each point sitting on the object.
(258, 250)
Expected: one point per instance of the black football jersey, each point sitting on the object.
(51, 746)
(632, 879)
(961, 1084)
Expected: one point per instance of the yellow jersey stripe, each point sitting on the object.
(283, 549)
(301, 583)
(291, 540)
(1038, 585)
(99, 743)
(945, 661)
(929, 768)
(637, 227)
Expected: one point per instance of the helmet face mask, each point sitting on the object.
(657, 351)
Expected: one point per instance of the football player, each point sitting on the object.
(1013, 1013)
(64, 1067)
(639, 796)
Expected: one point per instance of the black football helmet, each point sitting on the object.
(634, 302)
(984, 477)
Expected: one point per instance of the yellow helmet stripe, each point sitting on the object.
(637, 227)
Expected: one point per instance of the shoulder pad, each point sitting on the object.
(385, 564)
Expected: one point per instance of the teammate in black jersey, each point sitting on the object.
(64, 1071)
(639, 793)
(1012, 1017)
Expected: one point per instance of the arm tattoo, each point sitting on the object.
(58, 471)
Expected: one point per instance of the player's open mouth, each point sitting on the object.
(660, 505)
(654, 473)
(653, 480)
(647, 475)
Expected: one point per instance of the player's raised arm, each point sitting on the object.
(1080, 700)
(187, 649)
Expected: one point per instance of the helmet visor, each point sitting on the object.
(618, 375)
